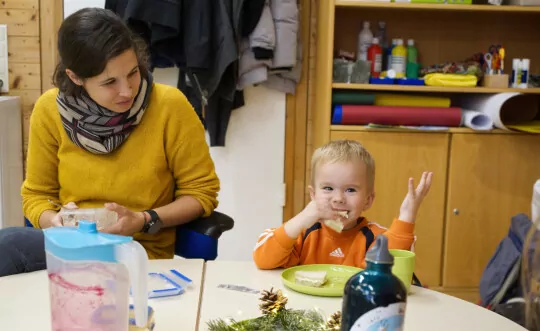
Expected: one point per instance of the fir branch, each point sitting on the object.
(285, 320)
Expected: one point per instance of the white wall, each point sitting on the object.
(71, 6)
(250, 166)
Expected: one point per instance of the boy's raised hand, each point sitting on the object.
(415, 196)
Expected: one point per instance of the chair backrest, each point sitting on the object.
(198, 239)
(191, 244)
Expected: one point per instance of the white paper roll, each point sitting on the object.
(510, 107)
(476, 120)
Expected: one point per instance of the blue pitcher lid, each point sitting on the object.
(85, 235)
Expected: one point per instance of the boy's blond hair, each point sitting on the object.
(344, 151)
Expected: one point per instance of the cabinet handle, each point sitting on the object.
(456, 211)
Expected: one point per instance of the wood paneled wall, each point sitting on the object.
(32, 27)
(24, 54)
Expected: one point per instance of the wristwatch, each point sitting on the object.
(154, 224)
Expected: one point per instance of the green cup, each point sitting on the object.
(403, 268)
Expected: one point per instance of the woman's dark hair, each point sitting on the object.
(87, 40)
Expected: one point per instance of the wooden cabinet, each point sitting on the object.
(481, 179)
(399, 156)
(490, 180)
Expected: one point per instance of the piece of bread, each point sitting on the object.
(310, 278)
(335, 224)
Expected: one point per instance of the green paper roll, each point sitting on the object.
(353, 98)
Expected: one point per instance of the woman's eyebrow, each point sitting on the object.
(112, 78)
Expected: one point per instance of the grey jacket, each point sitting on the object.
(272, 56)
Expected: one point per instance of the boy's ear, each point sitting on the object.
(369, 201)
(311, 192)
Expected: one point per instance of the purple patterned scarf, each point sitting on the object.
(98, 129)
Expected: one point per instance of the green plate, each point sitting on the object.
(336, 278)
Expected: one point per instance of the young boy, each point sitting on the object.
(342, 188)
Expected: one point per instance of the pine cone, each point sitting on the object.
(272, 302)
(334, 322)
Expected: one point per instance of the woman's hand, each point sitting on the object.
(129, 222)
(56, 220)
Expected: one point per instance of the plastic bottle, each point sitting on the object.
(411, 69)
(383, 41)
(525, 63)
(412, 52)
(375, 56)
(364, 41)
(516, 73)
(381, 35)
(388, 55)
(374, 298)
(101, 216)
(399, 59)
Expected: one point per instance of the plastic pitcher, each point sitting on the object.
(90, 274)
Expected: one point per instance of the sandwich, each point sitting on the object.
(310, 278)
(336, 225)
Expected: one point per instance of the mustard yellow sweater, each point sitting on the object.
(165, 157)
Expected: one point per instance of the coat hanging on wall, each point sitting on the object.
(221, 47)
(201, 38)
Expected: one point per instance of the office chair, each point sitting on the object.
(197, 239)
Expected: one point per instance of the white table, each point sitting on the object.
(24, 299)
(426, 309)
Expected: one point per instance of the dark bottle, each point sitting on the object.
(374, 298)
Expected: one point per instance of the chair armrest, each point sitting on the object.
(212, 226)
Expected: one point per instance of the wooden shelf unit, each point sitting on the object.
(436, 7)
(482, 179)
(431, 89)
(363, 128)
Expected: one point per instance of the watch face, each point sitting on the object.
(155, 227)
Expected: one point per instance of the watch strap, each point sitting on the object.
(154, 218)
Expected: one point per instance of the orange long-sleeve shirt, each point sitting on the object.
(322, 245)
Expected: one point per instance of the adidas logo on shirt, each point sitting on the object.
(337, 253)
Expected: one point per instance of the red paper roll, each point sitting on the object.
(394, 115)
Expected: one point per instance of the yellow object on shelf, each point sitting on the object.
(389, 99)
(432, 89)
(530, 127)
(450, 80)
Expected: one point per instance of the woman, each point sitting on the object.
(109, 136)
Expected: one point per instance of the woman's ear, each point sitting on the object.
(73, 77)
